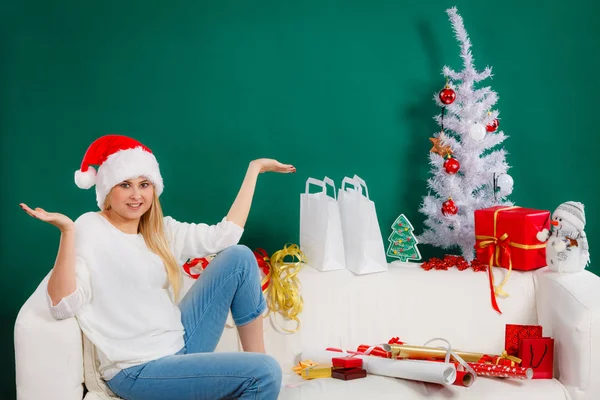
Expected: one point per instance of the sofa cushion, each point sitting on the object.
(371, 387)
(384, 388)
(92, 377)
(343, 310)
(502, 389)
(93, 396)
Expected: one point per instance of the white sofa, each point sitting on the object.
(342, 310)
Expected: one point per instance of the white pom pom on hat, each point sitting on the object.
(85, 179)
(118, 158)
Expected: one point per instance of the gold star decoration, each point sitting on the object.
(438, 148)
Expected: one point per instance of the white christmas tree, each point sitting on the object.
(466, 173)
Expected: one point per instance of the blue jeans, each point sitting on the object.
(232, 280)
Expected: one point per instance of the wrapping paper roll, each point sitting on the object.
(502, 371)
(425, 353)
(464, 378)
(424, 371)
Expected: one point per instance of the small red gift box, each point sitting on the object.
(514, 333)
(538, 354)
(348, 374)
(347, 362)
(504, 360)
(506, 236)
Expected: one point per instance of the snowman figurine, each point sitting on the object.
(567, 247)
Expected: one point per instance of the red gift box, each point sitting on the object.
(538, 354)
(514, 333)
(347, 362)
(348, 374)
(506, 237)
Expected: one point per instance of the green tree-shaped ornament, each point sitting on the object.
(403, 243)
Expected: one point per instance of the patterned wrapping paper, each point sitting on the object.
(514, 334)
(502, 371)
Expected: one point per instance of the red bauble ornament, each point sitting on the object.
(447, 95)
(449, 207)
(492, 125)
(451, 165)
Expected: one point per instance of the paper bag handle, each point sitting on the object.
(352, 182)
(328, 181)
(541, 359)
(361, 183)
(315, 182)
(322, 184)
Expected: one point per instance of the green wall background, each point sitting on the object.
(333, 87)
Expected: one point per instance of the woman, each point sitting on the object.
(118, 272)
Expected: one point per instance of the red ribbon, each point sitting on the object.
(488, 248)
(189, 264)
(262, 258)
(498, 247)
(486, 359)
(377, 351)
(395, 340)
(264, 263)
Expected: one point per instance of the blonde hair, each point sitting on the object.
(151, 227)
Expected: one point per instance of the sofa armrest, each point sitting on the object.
(568, 307)
(48, 353)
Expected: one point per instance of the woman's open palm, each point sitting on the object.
(61, 221)
(270, 165)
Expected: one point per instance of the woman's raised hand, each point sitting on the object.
(270, 165)
(61, 221)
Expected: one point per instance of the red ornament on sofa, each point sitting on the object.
(449, 207)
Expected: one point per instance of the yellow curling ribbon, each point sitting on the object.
(502, 242)
(283, 295)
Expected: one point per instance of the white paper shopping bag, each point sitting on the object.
(363, 242)
(321, 237)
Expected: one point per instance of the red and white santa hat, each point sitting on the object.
(118, 158)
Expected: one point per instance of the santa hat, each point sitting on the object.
(573, 212)
(118, 158)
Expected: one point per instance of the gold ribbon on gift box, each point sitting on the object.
(513, 360)
(487, 359)
(308, 369)
(496, 244)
